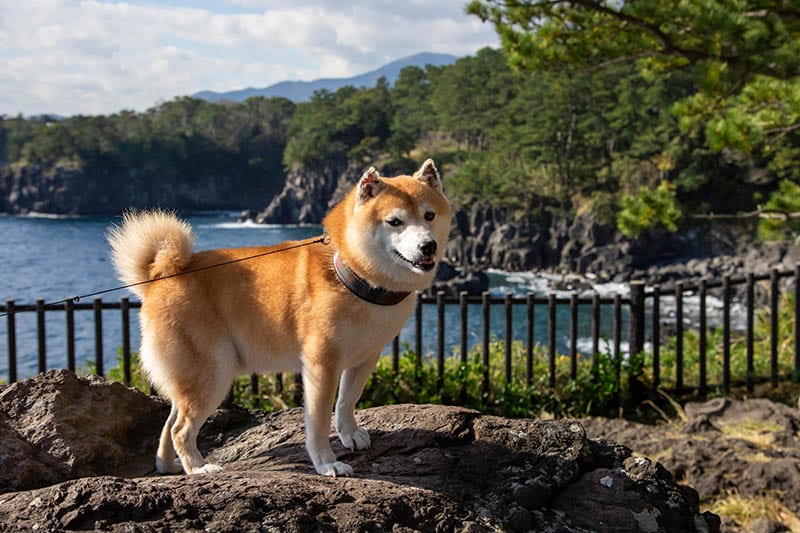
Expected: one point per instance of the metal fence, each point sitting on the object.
(644, 307)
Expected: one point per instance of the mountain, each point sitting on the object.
(301, 91)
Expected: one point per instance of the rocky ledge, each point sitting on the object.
(735, 451)
(77, 454)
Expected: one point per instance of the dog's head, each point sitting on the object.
(394, 230)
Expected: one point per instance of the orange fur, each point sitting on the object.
(282, 312)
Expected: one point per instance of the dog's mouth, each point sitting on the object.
(425, 263)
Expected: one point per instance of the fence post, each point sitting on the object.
(679, 337)
(485, 344)
(462, 303)
(637, 318)
(418, 344)
(69, 311)
(656, 334)
(98, 335)
(702, 346)
(797, 322)
(41, 336)
(636, 331)
(726, 334)
(773, 326)
(11, 324)
(509, 336)
(440, 342)
(126, 339)
(749, 336)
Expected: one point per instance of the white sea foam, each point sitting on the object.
(249, 224)
(36, 214)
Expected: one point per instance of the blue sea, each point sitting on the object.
(55, 258)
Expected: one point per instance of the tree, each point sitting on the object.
(743, 52)
(741, 55)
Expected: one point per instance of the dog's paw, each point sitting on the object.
(357, 440)
(208, 468)
(169, 467)
(335, 469)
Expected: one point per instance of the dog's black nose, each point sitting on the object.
(428, 247)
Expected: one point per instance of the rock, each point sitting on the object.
(248, 215)
(431, 468)
(59, 427)
(308, 193)
(766, 525)
(725, 446)
(452, 281)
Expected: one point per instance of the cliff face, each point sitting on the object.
(65, 190)
(309, 192)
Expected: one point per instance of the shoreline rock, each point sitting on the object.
(486, 237)
(430, 468)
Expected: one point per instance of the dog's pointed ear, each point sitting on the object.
(428, 173)
(369, 186)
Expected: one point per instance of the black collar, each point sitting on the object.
(362, 289)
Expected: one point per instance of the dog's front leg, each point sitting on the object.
(350, 388)
(319, 388)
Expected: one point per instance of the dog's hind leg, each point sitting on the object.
(319, 389)
(188, 420)
(350, 388)
(166, 458)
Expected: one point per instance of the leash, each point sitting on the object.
(324, 239)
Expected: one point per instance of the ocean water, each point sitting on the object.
(58, 258)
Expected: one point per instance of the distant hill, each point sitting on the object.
(301, 91)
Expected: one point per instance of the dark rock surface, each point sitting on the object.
(746, 447)
(431, 468)
(309, 193)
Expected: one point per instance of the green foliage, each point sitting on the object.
(594, 391)
(744, 53)
(762, 363)
(648, 209)
(350, 122)
(741, 56)
(602, 385)
(786, 200)
(186, 138)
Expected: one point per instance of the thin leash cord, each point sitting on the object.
(324, 239)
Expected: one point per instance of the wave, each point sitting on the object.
(249, 224)
(53, 216)
(543, 283)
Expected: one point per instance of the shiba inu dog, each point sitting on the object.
(325, 308)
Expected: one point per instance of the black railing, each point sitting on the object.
(641, 302)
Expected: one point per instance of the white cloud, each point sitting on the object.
(93, 56)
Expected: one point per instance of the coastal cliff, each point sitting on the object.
(69, 190)
(483, 237)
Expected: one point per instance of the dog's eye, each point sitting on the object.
(394, 222)
(429, 215)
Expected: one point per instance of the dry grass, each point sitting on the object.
(758, 432)
(757, 458)
(745, 510)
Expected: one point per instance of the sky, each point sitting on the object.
(72, 57)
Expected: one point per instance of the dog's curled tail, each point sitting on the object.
(149, 245)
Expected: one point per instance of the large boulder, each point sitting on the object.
(88, 445)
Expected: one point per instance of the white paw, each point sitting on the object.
(335, 469)
(357, 440)
(208, 468)
(169, 467)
